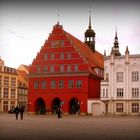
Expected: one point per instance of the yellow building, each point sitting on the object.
(23, 71)
(8, 87)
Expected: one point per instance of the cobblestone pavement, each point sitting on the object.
(45, 127)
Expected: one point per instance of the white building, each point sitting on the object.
(120, 89)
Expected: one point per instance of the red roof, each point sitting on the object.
(95, 59)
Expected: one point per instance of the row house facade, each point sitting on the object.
(13, 87)
(23, 71)
(120, 89)
(8, 87)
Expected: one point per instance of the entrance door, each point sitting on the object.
(96, 109)
(55, 104)
(74, 106)
(40, 107)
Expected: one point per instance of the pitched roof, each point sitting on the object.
(24, 68)
(27, 67)
(95, 59)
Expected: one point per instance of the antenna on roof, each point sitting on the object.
(89, 16)
(89, 20)
(58, 16)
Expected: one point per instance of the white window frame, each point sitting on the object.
(61, 84)
(53, 84)
(119, 76)
(61, 55)
(52, 68)
(36, 84)
(119, 107)
(69, 55)
(120, 92)
(43, 84)
(45, 56)
(62, 68)
(135, 108)
(6, 93)
(135, 76)
(135, 92)
(78, 83)
(70, 83)
(45, 69)
(76, 68)
(52, 56)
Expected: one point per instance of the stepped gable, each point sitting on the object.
(93, 60)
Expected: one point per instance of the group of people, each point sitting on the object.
(19, 110)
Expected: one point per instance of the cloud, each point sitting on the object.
(11, 31)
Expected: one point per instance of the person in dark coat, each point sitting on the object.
(21, 112)
(17, 111)
(59, 112)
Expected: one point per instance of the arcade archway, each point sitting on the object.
(40, 107)
(74, 106)
(55, 104)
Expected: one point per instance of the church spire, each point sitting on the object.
(116, 45)
(90, 35)
(89, 20)
(58, 17)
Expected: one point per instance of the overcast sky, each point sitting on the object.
(24, 26)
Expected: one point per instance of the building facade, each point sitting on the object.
(23, 72)
(8, 87)
(120, 89)
(66, 72)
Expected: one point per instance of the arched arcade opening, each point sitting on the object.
(55, 104)
(74, 106)
(40, 106)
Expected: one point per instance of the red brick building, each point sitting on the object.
(66, 72)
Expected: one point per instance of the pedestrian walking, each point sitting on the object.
(21, 110)
(17, 111)
(59, 113)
